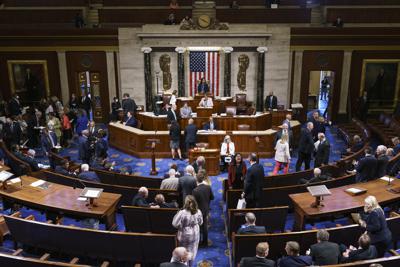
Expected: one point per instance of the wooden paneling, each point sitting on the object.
(43, 3)
(98, 64)
(140, 16)
(356, 70)
(55, 16)
(358, 2)
(364, 15)
(321, 61)
(259, 2)
(287, 15)
(52, 66)
(144, 3)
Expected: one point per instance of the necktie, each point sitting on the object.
(173, 112)
(270, 102)
(205, 103)
(227, 148)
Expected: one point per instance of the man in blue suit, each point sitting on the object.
(366, 167)
(250, 226)
(293, 258)
(88, 175)
(190, 135)
(210, 125)
(130, 120)
(48, 140)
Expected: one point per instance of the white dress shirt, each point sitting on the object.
(208, 103)
(224, 149)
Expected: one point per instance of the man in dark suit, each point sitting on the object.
(159, 200)
(324, 252)
(14, 106)
(179, 258)
(253, 183)
(130, 120)
(293, 258)
(30, 159)
(203, 195)
(12, 131)
(260, 260)
(83, 147)
(140, 199)
(128, 104)
(48, 140)
(63, 168)
(322, 151)
(87, 103)
(306, 147)
(172, 115)
(271, 101)
(366, 251)
(357, 144)
(187, 182)
(366, 167)
(318, 177)
(382, 161)
(250, 226)
(190, 135)
(87, 175)
(210, 125)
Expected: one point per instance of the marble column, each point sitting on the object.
(62, 66)
(298, 64)
(344, 106)
(181, 70)
(147, 78)
(260, 78)
(227, 71)
(112, 88)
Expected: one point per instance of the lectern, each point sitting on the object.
(91, 194)
(318, 191)
(151, 143)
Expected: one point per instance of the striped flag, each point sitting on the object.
(204, 65)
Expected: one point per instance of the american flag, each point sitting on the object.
(204, 65)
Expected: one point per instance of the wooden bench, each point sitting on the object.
(386, 127)
(96, 244)
(44, 3)
(127, 193)
(285, 15)
(148, 220)
(17, 166)
(236, 218)
(244, 245)
(109, 177)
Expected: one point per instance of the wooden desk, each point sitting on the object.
(4, 168)
(340, 202)
(212, 159)
(61, 199)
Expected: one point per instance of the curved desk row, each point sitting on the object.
(133, 141)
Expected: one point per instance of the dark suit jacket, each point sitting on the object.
(175, 132)
(89, 176)
(253, 182)
(14, 107)
(306, 142)
(139, 201)
(325, 253)
(362, 254)
(83, 148)
(59, 169)
(170, 116)
(251, 229)
(256, 262)
(322, 153)
(268, 102)
(46, 142)
(129, 105)
(172, 264)
(203, 88)
(377, 227)
(295, 261)
(382, 165)
(207, 126)
(186, 185)
(131, 122)
(12, 132)
(203, 195)
(33, 163)
(366, 169)
(191, 133)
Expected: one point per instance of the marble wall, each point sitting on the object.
(159, 37)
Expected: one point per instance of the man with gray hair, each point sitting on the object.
(30, 159)
(318, 177)
(250, 226)
(179, 258)
(383, 161)
(260, 260)
(187, 182)
(322, 151)
(199, 164)
(324, 252)
(88, 175)
(306, 147)
(190, 135)
(171, 182)
(83, 147)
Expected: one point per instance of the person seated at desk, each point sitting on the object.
(140, 199)
(356, 146)
(30, 159)
(210, 125)
(260, 260)
(63, 169)
(101, 163)
(324, 252)
(48, 140)
(130, 120)
(87, 175)
(159, 200)
(172, 115)
(293, 258)
(203, 88)
(318, 177)
(186, 111)
(190, 136)
(227, 151)
(206, 102)
(250, 226)
(366, 167)
(365, 251)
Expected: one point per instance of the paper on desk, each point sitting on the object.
(92, 193)
(354, 190)
(387, 179)
(81, 199)
(4, 175)
(15, 180)
(37, 183)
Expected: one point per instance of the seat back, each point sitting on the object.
(241, 100)
(166, 98)
(109, 177)
(18, 261)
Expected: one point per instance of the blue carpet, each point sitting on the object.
(218, 253)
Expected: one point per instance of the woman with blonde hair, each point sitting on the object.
(188, 221)
(282, 155)
(375, 225)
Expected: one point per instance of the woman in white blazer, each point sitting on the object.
(282, 155)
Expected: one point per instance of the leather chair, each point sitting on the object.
(166, 98)
(251, 111)
(231, 110)
(241, 104)
(243, 127)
